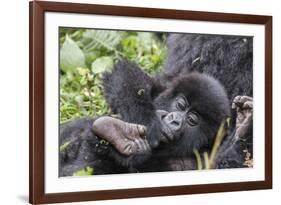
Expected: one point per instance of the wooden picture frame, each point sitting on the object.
(37, 10)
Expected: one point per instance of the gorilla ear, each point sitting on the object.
(156, 89)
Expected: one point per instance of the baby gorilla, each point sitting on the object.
(190, 112)
(178, 119)
(157, 123)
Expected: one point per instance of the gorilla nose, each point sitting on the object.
(174, 120)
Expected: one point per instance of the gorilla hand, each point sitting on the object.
(127, 138)
(244, 109)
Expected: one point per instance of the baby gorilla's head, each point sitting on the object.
(190, 112)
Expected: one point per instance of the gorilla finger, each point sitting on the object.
(246, 98)
(236, 99)
(131, 131)
(248, 104)
(128, 149)
(137, 142)
(242, 99)
(147, 146)
(236, 103)
(141, 145)
(135, 131)
(141, 130)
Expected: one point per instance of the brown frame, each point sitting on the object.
(36, 104)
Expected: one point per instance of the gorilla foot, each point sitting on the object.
(127, 138)
(244, 108)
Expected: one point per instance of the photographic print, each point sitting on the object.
(124, 106)
(133, 102)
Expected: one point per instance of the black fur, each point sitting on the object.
(227, 58)
(84, 149)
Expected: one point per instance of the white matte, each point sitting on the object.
(103, 182)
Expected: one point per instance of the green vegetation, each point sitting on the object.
(87, 171)
(210, 160)
(64, 146)
(85, 54)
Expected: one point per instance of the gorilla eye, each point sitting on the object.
(181, 106)
(192, 119)
(181, 103)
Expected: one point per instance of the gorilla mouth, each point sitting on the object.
(165, 136)
(165, 131)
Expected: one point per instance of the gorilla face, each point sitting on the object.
(181, 114)
(190, 112)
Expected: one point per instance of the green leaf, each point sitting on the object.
(64, 146)
(71, 56)
(97, 39)
(102, 64)
(146, 38)
(87, 171)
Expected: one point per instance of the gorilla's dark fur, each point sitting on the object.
(227, 58)
(136, 97)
